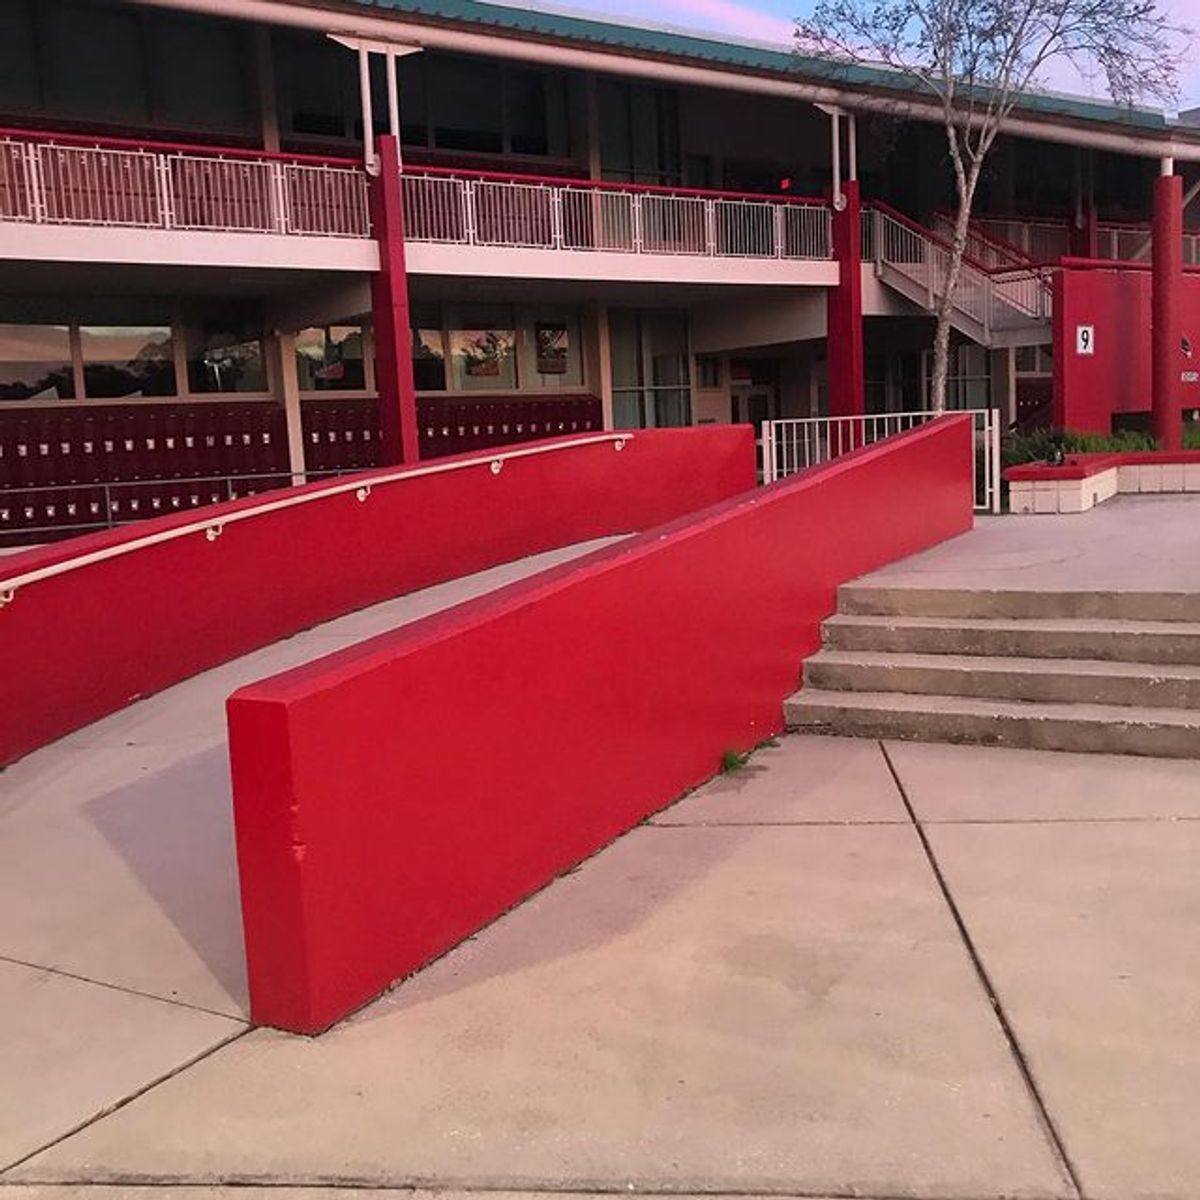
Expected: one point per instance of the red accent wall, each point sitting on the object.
(389, 313)
(1089, 390)
(847, 371)
(392, 799)
(80, 645)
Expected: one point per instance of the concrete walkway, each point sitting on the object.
(1130, 544)
(848, 969)
(120, 930)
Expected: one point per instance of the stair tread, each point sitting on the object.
(1007, 664)
(1034, 624)
(1108, 714)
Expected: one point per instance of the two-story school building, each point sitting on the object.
(250, 241)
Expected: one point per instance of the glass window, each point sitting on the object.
(651, 383)
(225, 362)
(525, 99)
(616, 139)
(429, 360)
(708, 371)
(639, 133)
(414, 106)
(18, 57)
(465, 100)
(127, 361)
(35, 363)
(329, 358)
(196, 74)
(315, 75)
(94, 62)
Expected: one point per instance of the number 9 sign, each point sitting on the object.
(1085, 339)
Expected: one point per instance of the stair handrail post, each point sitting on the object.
(768, 452)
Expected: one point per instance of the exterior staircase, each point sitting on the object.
(999, 300)
(1102, 672)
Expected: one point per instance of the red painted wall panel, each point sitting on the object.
(1090, 389)
(85, 643)
(392, 799)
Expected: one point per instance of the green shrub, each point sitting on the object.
(1039, 445)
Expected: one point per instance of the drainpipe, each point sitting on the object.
(1166, 308)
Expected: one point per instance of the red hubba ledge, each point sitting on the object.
(1085, 465)
(83, 644)
(393, 798)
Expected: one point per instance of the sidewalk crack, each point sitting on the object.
(1049, 1126)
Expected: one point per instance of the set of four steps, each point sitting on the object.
(1100, 672)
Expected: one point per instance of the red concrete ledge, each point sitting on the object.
(393, 798)
(1084, 466)
(81, 644)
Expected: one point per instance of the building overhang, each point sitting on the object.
(1140, 134)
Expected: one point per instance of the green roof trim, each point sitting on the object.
(709, 49)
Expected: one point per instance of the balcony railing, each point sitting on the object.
(1048, 240)
(479, 210)
(996, 299)
(76, 182)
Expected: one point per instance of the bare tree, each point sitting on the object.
(975, 59)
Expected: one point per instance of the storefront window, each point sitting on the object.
(483, 341)
(35, 363)
(465, 99)
(429, 360)
(127, 361)
(651, 382)
(329, 358)
(225, 362)
(970, 381)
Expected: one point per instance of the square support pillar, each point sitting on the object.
(389, 306)
(1167, 313)
(847, 387)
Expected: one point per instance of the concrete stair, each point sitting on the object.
(1103, 672)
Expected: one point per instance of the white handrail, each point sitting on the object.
(795, 444)
(214, 526)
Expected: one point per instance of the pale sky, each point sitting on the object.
(770, 21)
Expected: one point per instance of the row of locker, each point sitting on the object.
(54, 447)
(341, 435)
(64, 471)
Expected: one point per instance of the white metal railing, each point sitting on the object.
(993, 300)
(793, 445)
(981, 247)
(1046, 241)
(552, 216)
(362, 485)
(1039, 241)
(66, 184)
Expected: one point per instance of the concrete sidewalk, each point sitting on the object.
(1131, 544)
(848, 969)
(120, 930)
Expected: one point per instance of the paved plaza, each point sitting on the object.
(847, 969)
(850, 968)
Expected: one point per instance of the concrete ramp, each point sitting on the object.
(121, 952)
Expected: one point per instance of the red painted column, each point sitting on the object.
(847, 387)
(1085, 238)
(1166, 312)
(389, 302)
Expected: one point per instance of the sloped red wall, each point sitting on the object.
(392, 799)
(82, 644)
